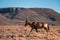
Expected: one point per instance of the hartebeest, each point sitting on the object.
(37, 25)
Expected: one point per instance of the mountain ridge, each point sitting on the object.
(35, 14)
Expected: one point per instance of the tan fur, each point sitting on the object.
(37, 25)
(40, 24)
(45, 25)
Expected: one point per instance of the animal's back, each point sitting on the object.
(38, 24)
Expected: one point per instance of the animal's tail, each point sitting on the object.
(48, 28)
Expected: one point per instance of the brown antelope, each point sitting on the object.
(37, 25)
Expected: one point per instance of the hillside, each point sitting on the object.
(16, 15)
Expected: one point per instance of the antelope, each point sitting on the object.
(37, 25)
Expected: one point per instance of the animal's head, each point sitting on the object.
(27, 22)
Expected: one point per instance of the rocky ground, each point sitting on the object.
(16, 32)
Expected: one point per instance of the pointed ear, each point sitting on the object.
(27, 18)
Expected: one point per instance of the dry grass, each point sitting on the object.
(9, 32)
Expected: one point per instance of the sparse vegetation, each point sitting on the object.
(12, 32)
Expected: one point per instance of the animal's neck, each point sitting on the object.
(30, 23)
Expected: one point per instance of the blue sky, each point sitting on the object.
(53, 4)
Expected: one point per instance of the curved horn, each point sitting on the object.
(26, 21)
(27, 18)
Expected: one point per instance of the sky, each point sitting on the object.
(53, 4)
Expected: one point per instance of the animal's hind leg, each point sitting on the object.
(46, 29)
(46, 33)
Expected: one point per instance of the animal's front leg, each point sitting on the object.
(30, 32)
(36, 29)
